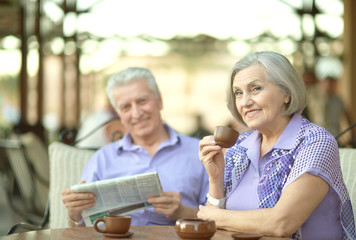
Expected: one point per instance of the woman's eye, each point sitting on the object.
(238, 93)
(256, 88)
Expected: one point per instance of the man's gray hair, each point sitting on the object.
(128, 75)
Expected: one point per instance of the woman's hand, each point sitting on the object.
(212, 156)
(208, 212)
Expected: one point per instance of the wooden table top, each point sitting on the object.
(88, 233)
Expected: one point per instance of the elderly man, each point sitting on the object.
(149, 145)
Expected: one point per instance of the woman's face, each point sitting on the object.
(259, 101)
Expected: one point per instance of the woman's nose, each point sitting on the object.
(247, 101)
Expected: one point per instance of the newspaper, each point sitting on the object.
(119, 196)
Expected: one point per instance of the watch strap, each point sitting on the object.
(216, 202)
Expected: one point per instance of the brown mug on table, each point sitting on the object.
(113, 224)
(195, 228)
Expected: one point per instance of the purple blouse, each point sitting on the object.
(302, 148)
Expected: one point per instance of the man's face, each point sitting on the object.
(139, 108)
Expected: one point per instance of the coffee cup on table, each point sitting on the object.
(225, 137)
(113, 224)
(195, 228)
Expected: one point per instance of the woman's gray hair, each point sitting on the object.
(279, 71)
(129, 75)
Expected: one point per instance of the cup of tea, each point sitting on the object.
(225, 137)
(113, 224)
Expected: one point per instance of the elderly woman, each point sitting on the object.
(282, 178)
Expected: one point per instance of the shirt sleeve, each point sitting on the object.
(318, 155)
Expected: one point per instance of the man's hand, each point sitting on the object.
(77, 202)
(168, 204)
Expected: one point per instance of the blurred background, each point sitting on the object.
(56, 55)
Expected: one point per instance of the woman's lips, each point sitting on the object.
(252, 113)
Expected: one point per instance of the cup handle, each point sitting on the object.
(98, 220)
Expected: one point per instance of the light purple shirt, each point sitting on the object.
(250, 179)
(324, 223)
(176, 162)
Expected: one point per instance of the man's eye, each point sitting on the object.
(124, 108)
(142, 101)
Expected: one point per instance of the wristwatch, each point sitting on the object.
(216, 202)
(75, 222)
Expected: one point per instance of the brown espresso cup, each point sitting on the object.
(195, 228)
(225, 137)
(113, 224)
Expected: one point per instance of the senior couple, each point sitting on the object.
(282, 177)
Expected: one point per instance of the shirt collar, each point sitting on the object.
(251, 139)
(285, 141)
(126, 142)
(252, 146)
(289, 135)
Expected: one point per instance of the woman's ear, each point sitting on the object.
(287, 99)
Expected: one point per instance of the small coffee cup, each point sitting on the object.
(195, 228)
(225, 137)
(113, 224)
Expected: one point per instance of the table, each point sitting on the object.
(88, 233)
